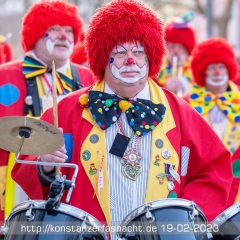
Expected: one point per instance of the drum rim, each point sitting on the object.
(170, 202)
(228, 213)
(63, 208)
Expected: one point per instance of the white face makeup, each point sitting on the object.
(57, 45)
(129, 73)
(50, 45)
(216, 75)
(126, 69)
(126, 73)
(176, 50)
(217, 81)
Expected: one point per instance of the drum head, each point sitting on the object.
(227, 224)
(166, 219)
(30, 220)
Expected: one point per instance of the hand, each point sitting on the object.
(174, 84)
(58, 156)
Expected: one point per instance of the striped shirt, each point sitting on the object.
(125, 194)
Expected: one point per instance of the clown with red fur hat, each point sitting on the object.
(215, 96)
(49, 31)
(130, 129)
(175, 74)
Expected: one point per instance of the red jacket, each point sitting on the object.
(13, 90)
(209, 173)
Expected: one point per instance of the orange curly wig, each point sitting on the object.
(42, 16)
(213, 50)
(124, 21)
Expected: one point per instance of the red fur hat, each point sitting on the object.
(124, 21)
(213, 50)
(42, 16)
(184, 35)
(79, 55)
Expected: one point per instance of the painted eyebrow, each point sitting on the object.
(116, 49)
(140, 47)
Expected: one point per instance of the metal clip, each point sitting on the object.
(60, 178)
(194, 212)
(150, 216)
(29, 214)
(4, 228)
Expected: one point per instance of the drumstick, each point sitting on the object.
(174, 66)
(55, 109)
(179, 74)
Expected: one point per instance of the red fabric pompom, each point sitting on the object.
(79, 55)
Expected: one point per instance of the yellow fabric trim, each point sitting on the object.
(10, 186)
(40, 85)
(38, 72)
(3, 175)
(233, 86)
(68, 72)
(96, 158)
(168, 123)
(97, 150)
(237, 199)
(154, 189)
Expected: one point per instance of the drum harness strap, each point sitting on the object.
(32, 91)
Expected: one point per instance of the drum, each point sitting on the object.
(166, 219)
(227, 224)
(31, 221)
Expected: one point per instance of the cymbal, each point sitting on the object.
(41, 137)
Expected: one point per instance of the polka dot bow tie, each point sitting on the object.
(203, 101)
(142, 115)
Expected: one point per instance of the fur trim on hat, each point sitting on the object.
(124, 21)
(44, 15)
(184, 36)
(212, 51)
(79, 55)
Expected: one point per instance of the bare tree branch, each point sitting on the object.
(198, 7)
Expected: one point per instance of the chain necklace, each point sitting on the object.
(131, 168)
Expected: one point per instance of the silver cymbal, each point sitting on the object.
(40, 137)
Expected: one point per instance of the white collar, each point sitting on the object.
(144, 94)
(62, 69)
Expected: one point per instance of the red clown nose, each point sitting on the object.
(130, 61)
(64, 36)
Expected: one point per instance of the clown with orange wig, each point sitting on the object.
(215, 96)
(130, 129)
(49, 31)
